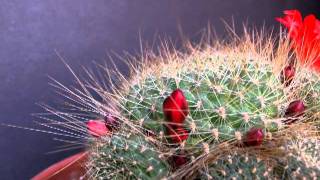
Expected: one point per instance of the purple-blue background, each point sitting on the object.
(84, 31)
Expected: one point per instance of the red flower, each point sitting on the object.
(178, 134)
(97, 128)
(254, 137)
(175, 108)
(304, 35)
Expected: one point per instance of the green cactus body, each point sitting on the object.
(238, 167)
(211, 114)
(303, 162)
(222, 101)
(310, 91)
(127, 157)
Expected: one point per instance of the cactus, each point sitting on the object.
(303, 160)
(228, 99)
(213, 100)
(238, 166)
(195, 105)
(238, 110)
(300, 160)
(127, 156)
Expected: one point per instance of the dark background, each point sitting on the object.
(85, 31)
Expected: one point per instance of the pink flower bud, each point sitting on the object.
(97, 128)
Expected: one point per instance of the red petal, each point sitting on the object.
(97, 128)
(316, 64)
(317, 30)
(177, 135)
(305, 36)
(175, 107)
(254, 137)
(309, 35)
(293, 21)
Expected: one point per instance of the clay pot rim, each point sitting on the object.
(58, 167)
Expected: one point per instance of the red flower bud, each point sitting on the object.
(178, 161)
(97, 128)
(304, 34)
(111, 122)
(287, 74)
(254, 137)
(175, 108)
(178, 134)
(295, 108)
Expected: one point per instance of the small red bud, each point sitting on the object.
(97, 128)
(295, 108)
(111, 122)
(287, 74)
(179, 160)
(175, 108)
(254, 137)
(178, 134)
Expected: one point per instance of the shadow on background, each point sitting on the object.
(83, 32)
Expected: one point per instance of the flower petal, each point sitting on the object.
(293, 21)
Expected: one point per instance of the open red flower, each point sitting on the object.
(97, 128)
(305, 37)
(175, 108)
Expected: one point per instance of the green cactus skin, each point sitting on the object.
(128, 156)
(238, 167)
(301, 161)
(304, 160)
(222, 101)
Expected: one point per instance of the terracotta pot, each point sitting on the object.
(72, 167)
